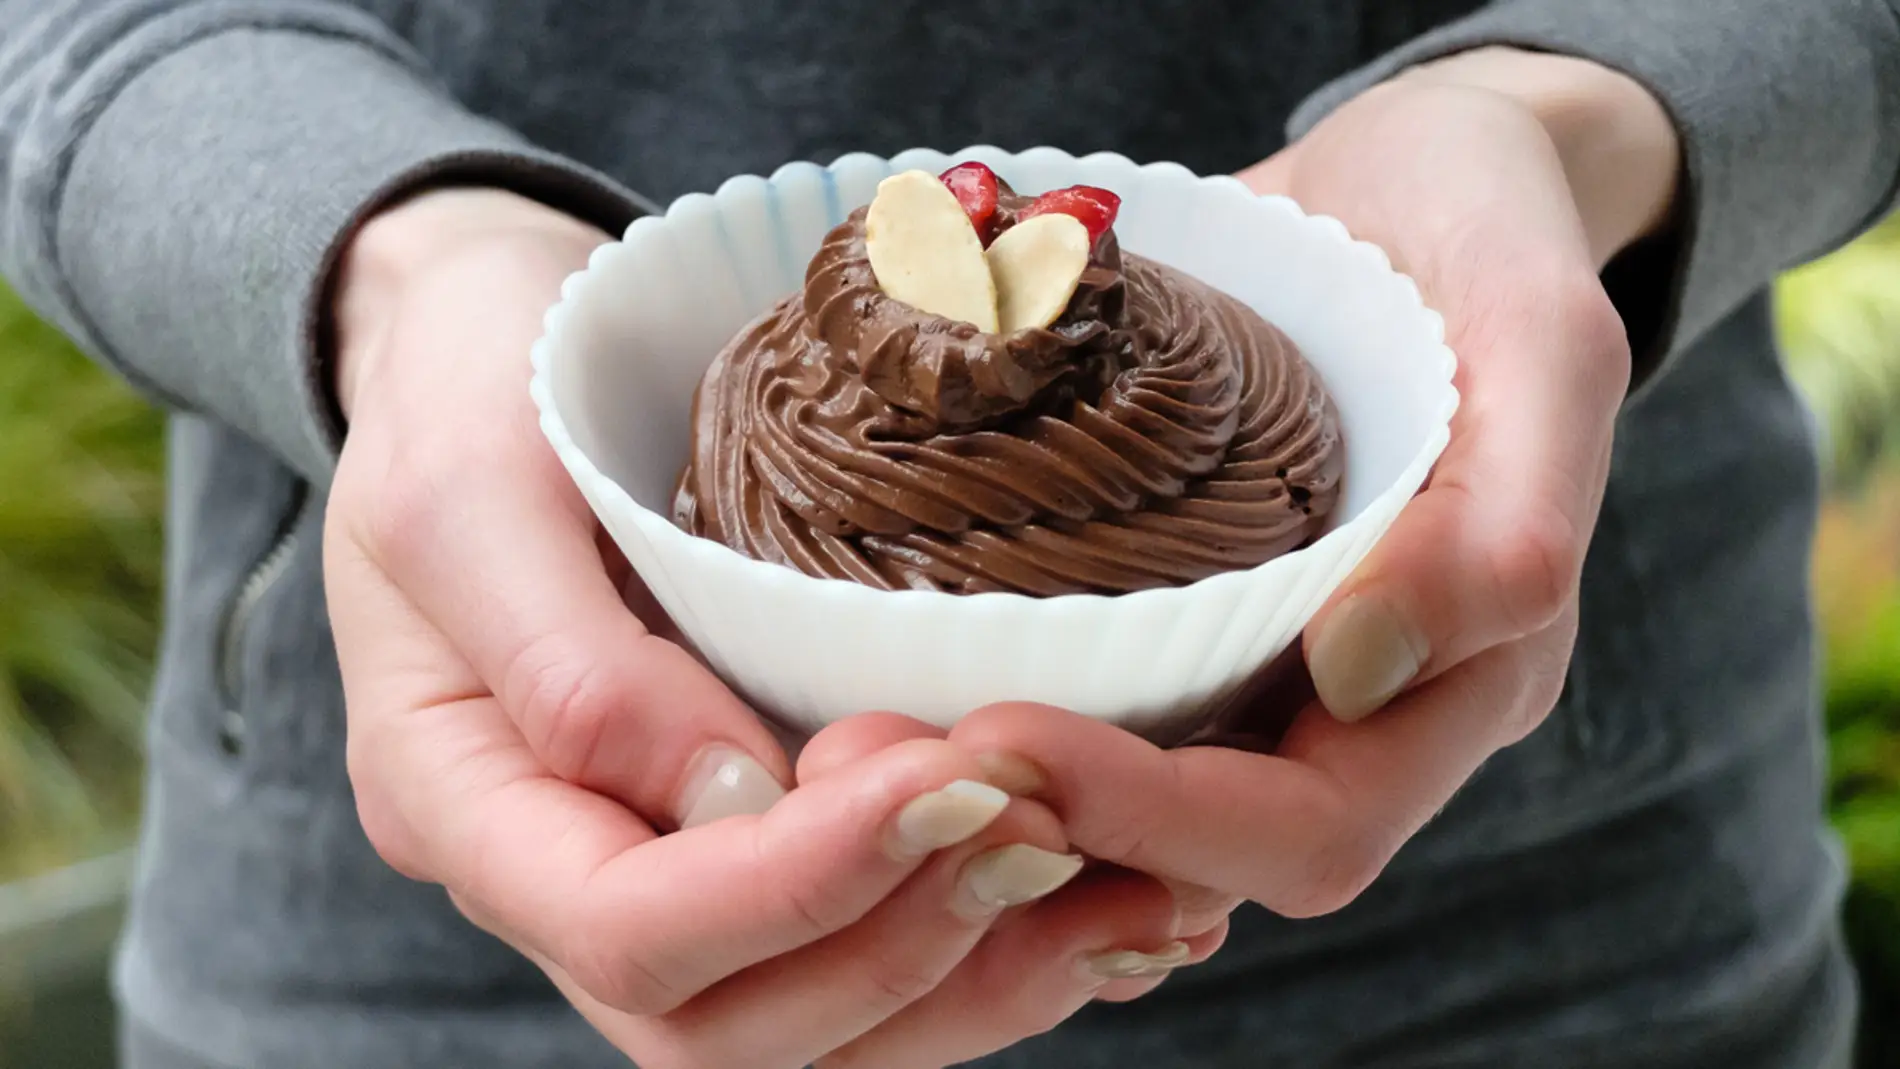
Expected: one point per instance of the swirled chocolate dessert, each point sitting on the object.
(1007, 407)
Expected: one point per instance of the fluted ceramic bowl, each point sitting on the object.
(615, 373)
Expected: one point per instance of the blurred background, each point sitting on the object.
(80, 539)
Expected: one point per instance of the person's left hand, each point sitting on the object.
(1501, 182)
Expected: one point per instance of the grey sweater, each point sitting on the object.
(1646, 881)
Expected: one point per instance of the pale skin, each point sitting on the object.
(522, 738)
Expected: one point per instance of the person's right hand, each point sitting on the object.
(519, 736)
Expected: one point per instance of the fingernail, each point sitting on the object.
(725, 782)
(1010, 772)
(1365, 654)
(995, 880)
(1133, 964)
(944, 818)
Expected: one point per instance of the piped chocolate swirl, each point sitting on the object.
(1158, 432)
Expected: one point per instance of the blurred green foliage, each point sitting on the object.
(1857, 588)
(80, 540)
(1840, 324)
(80, 500)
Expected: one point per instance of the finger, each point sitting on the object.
(1197, 949)
(1302, 831)
(1407, 771)
(603, 703)
(1220, 818)
(854, 738)
(849, 740)
(1202, 909)
(814, 1000)
(1111, 929)
(395, 662)
(580, 880)
(802, 1004)
(1205, 945)
(645, 923)
(1493, 549)
(488, 537)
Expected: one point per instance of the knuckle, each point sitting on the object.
(474, 915)
(1547, 685)
(388, 833)
(1537, 565)
(899, 980)
(619, 979)
(1121, 833)
(1124, 842)
(397, 513)
(1339, 873)
(1527, 716)
(565, 706)
(1336, 882)
(1588, 317)
(390, 837)
(1203, 909)
(1545, 668)
(819, 907)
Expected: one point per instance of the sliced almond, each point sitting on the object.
(1037, 264)
(925, 253)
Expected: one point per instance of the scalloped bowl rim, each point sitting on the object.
(661, 529)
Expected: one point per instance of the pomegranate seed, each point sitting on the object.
(1096, 208)
(975, 187)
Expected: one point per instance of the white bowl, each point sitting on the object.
(615, 373)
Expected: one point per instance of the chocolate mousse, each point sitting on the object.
(1118, 426)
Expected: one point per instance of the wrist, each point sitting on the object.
(1619, 148)
(408, 241)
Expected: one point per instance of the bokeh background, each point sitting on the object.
(80, 542)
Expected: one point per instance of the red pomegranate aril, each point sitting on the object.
(1096, 208)
(975, 188)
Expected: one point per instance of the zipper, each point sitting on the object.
(259, 582)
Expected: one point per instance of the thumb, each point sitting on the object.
(469, 514)
(513, 578)
(1492, 550)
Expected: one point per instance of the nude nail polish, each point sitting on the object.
(725, 783)
(944, 817)
(1364, 655)
(995, 880)
(1135, 964)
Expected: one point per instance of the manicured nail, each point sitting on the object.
(1365, 654)
(944, 818)
(1134, 964)
(995, 880)
(725, 783)
(1013, 773)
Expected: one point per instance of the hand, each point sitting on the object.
(1199, 916)
(519, 736)
(1501, 182)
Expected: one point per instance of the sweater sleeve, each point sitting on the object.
(1789, 114)
(178, 177)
